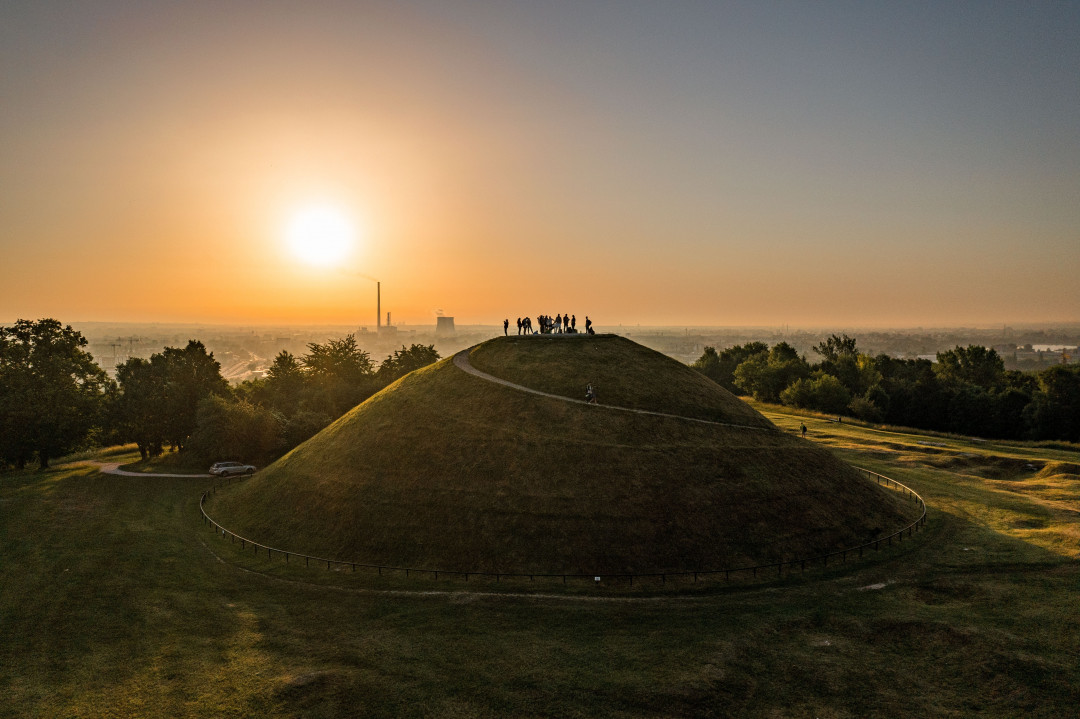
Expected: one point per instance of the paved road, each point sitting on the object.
(114, 468)
(461, 361)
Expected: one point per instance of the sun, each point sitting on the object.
(320, 235)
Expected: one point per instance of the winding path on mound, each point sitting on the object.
(461, 361)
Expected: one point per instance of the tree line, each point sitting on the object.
(967, 391)
(55, 399)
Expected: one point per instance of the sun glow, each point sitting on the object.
(320, 235)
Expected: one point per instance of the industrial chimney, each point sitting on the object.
(378, 306)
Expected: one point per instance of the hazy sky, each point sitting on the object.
(810, 163)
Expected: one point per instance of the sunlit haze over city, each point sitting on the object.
(698, 164)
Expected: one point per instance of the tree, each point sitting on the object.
(1054, 412)
(404, 361)
(285, 385)
(52, 393)
(342, 376)
(824, 393)
(141, 415)
(841, 358)
(975, 364)
(160, 397)
(191, 375)
(720, 368)
(708, 364)
(835, 347)
(765, 376)
(236, 430)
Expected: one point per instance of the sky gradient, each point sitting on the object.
(686, 163)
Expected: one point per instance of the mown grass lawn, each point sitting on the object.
(115, 600)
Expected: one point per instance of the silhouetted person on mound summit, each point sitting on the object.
(506, 326)
(588, 326)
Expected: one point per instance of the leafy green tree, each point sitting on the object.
(285, 386)
(720, 367)
(841, 358)
(978, 365)
(52, 393)
(824, 393)
(836, 347)
(708, 364)
(404, 361)
(865, 409)
(342, 376)
(228, 429)
(140, 412)
(971, 410)
(765, 376)
(192, 375)
(1054, 412)
(160, 397)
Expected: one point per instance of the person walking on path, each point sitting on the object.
(803, 426)
(506, 327)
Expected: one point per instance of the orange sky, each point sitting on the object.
(642, 164)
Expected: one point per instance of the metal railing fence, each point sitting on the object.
(766, 569)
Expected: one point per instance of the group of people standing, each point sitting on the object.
(559, 324)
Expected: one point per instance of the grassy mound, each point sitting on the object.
(446, 470)
(623, 373)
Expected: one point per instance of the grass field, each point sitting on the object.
(117, 601)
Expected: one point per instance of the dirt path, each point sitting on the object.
(461, 361)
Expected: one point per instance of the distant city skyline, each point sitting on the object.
(740, 164)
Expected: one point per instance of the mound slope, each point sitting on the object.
(446, 470)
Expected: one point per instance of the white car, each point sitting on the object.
(224, 469)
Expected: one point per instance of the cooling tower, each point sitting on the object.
(444, 326)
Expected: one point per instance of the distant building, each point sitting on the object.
(444, 326)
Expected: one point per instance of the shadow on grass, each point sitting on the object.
(111, 603)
